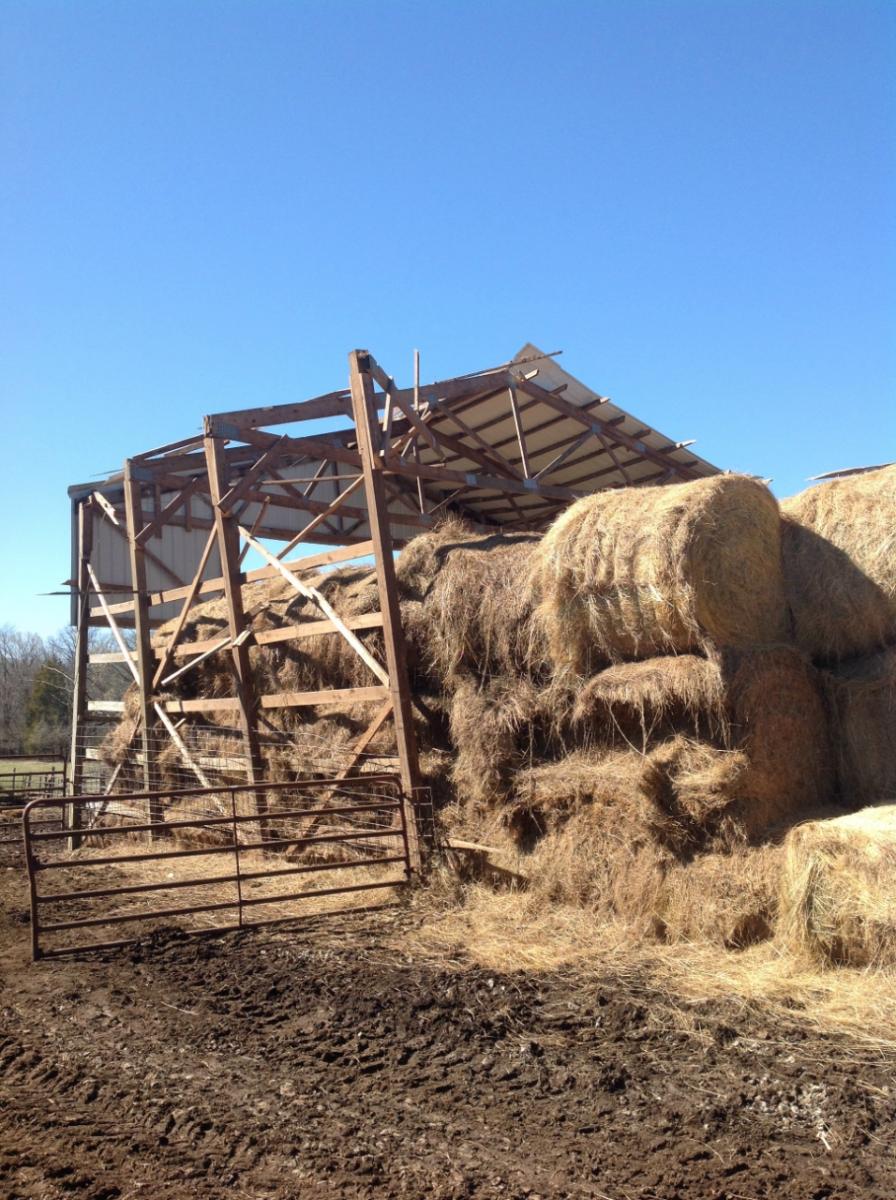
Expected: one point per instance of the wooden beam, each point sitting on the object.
(229, 551)
(154, 527)
(192, 592)
(73, 813)
(369, 437)
(181, 745)
(333, 507)
(280, 700)
(133, 502)
(311, 593)
(243, 485)
(597, 425)
(358, 549)
(518, 426)
(110, 511)
(332, 404)
(289, 633)
(437, 472)
(356, 695)
(489, 457)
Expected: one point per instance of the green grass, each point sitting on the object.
(21, 766)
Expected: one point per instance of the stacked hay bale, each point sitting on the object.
(839, 546)
(664, 611)
(623, 692)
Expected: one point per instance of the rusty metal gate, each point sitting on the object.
(232, 856)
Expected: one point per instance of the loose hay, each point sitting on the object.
(838, 890)
(645, 571)
(839, 548)
(642, 701)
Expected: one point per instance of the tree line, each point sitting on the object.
(37, 683)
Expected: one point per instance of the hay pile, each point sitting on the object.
(839, 546)
(622, 699)
(838, 903)
(839, 555)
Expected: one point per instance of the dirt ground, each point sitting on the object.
(323, 1062)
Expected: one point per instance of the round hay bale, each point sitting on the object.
(665, 570)
(608, 845)
(641, 702)
(763, 706)
(838, 889)
(839, 553)
(863, 706)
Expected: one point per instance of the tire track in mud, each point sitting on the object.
(318, 1065)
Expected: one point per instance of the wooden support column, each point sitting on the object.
(229, 550)
(133, 507)
(74, 812)
(369, 435)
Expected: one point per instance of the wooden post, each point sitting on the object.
(73, 812)
(133, 507)
(369, 435)
(229, 550)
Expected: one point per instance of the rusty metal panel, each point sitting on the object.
(220, 858)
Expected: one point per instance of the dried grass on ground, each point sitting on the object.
(512, 930)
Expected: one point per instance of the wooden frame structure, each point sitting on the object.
(359, 471)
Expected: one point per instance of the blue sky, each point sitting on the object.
(207, 205)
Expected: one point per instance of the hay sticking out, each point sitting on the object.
(474, 616)
(641, 701)
(862, 697)
(763, 758)
(838, 890)
(645, 571)
(839, 547)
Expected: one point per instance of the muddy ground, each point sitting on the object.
(323, 1063)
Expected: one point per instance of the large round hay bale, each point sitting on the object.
(609, 843)
(838, 890)
(863, 712)
(666, 570)
(839, 550)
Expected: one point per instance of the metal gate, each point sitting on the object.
(225, 858)
(20, 782)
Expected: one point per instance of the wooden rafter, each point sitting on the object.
(311, 593)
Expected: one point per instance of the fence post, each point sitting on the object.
(236, 856)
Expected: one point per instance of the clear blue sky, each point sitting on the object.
(206, 205)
